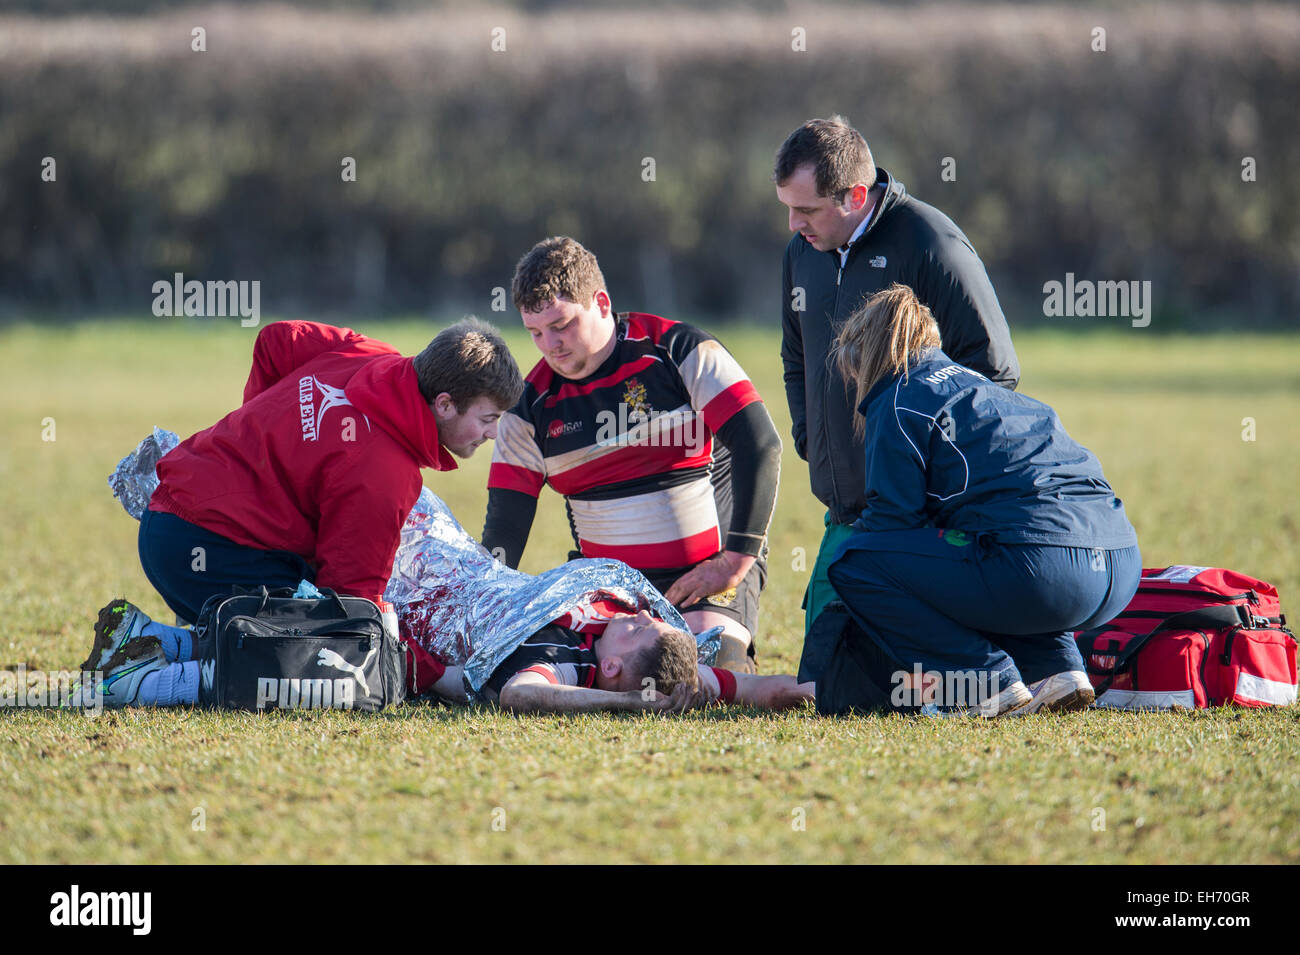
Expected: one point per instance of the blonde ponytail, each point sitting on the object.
(883, 338)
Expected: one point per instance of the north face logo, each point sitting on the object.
(310, 412)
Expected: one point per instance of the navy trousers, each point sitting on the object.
(187, 564)
(953, 602)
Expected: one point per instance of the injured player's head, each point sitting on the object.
(636, 647)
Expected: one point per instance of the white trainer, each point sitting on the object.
(1060, 692)
(1010, 702)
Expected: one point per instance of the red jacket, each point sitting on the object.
(322, 459)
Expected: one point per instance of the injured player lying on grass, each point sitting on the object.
(609, 660)
(624, 661)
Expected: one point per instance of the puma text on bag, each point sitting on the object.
(1194, 637)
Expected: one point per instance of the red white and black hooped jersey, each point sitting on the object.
(560, 655)
(564, 653)
(632, 447)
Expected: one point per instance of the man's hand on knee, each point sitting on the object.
(722, 572)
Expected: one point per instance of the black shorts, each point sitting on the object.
(740, 604)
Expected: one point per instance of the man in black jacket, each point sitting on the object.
(857, 231)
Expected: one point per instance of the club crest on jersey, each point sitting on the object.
(310, 413)
(634, 396)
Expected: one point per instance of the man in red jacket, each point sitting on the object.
(310, 478)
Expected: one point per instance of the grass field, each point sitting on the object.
(1165, 415)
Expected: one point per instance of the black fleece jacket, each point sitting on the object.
(906, 241)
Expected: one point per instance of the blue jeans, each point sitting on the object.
(954, 602)
(187, 564)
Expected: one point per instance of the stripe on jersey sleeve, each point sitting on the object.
(718, 386)
(546, 670)
(517, 463)
(708, 682)
(726, 684)
(719, 411)
(508, 477)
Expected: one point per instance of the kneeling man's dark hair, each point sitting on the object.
(469, 360)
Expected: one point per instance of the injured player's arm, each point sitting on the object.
(530, 692)
(779, 691)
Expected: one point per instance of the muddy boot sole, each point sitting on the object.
(110, 618)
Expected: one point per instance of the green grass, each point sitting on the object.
(420, 783)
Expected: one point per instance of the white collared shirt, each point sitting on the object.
(857, 234)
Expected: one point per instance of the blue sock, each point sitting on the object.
(172, 685)
(177, 642)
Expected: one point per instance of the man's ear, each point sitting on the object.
(611, 667)
(603, 303)
(858, 196)
(443, 407)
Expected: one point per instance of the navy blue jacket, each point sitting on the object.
(946, 447)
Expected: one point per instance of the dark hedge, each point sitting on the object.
(225, 164)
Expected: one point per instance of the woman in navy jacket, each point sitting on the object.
(988, 533)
